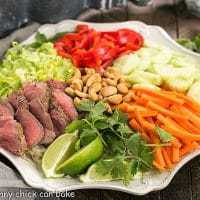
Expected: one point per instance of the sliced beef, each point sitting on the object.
(5, 113)
(33, 130)
(55, 84)
(37, 90)
(11, 133)
(66, 103)
(9, 107)
(17, 99)
(38, 95)
(12, 138)
(60, 120)
(38, 109)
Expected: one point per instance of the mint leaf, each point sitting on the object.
(164, 135)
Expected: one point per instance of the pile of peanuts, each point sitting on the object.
(109, 86)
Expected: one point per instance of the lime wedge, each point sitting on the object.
(61, 149)
(93, 176)
(79, 161)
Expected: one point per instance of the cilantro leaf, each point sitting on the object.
(86, 106)
(115, 145)
(140, 152)
(120, 116)
(87, 136)
(164, 135)
(135, 166)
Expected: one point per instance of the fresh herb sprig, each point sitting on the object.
(125, 152)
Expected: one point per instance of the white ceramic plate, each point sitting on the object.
(151, 181)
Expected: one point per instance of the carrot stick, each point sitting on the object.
(189, 148)
(158, 166)
(175, 154)
(168, 97)
(157, 100)
(167, 158)
(145, 124)
(159, 157)
(175, 131)
(164, 111)
(186, 124)
(135, 125)
(192, 117)
(189, 101)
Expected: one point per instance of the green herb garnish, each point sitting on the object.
(125, 152)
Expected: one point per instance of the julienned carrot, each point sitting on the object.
(167, 158)
(189, 148)
(162, 102)
(175, 131)
(189, 101)
(159, 157)
(174, 112)
(192, 117)
(143, 122)
(135, 125)
(158, 166)
(186, 124)
(164, 111)
(144, 114)
(175, 154)
(168, 97)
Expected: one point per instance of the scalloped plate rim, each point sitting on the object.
(108, 185)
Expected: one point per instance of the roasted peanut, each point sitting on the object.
(108, 91)
(128, 97)
(94, 78)
(109, 75)
(70, 91)
(76, 101)
(81, 94)
(85, 78)
(93, 89)
(115, 99)
(110, 81)
(122, 88)
(85, 89)
(77, 84)
(100, 97)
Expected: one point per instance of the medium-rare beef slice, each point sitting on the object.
(5, 113)
(18, 100)
(55, 84)
(37, 108)
(12, 138)
(37, 90)
(33, 130)
(60, 120)
(38, 95)
(66, 103)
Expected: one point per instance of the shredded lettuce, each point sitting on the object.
(24, 63)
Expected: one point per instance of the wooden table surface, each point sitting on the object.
(178, 23)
